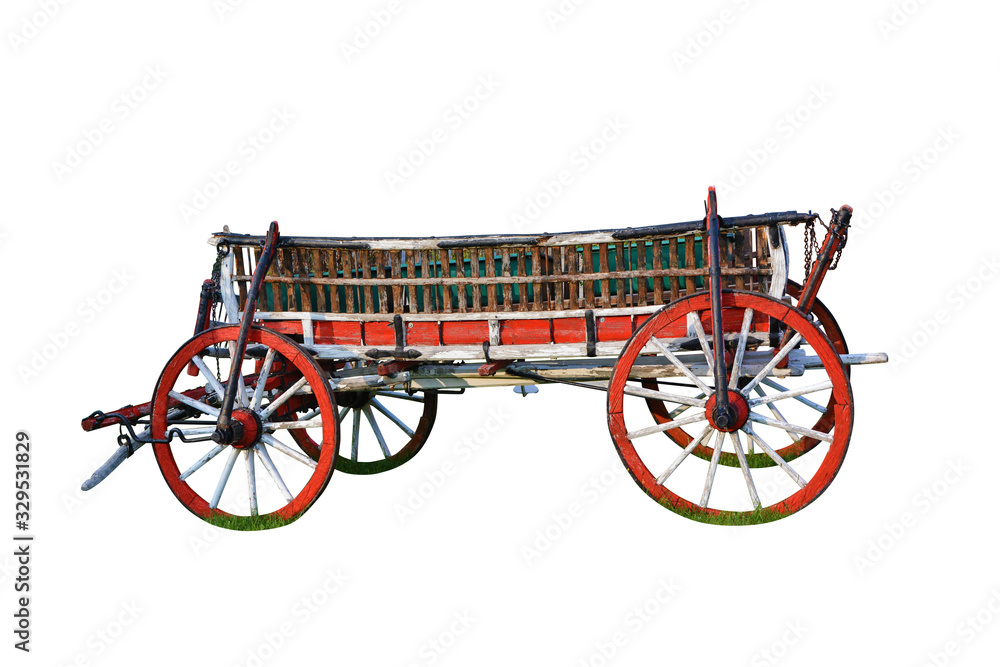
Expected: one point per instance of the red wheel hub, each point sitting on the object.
(248, 430)
(738, 406)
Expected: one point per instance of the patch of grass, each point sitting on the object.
(245, 523)
(723, 518)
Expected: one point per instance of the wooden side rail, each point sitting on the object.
(499, 277)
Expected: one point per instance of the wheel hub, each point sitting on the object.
(353, 399)
(247, 428)
(731, 419)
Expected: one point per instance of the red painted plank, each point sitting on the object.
(465, 333)
(380, 333)
(614, 328)
(569, 330)
(338, 333)
(422, 333)
(524, 332)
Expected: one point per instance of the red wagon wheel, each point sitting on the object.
(388, 428)
(194, 470)
(700, 489)
(663, 412)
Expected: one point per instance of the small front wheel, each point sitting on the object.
(276, 481)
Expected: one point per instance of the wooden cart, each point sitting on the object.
(728, 390)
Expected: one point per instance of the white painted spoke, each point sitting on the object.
(796, 393)
(281, 400)
(642, 392)
(356, 434)
(191, 431)
(269, 466)
(791, 428)
(683, 455)
(204, 408)
(741, 348)
(677, 412)
(775, 360)
(243, 396)
(735, 437)
(775, 411)
(703, 340)
(265, 372)
(308, 423)
(213, 382)
(287, 451)
(774, 456)
(226, 471)
(402, 396)
(660, 428)
(196, 466)
(378, 432)
(798, 397)
(251, 482)
(712, 467)
(393, 418)
(681, 367)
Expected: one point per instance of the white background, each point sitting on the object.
(857, 585)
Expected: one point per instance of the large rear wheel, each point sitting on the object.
(696, 486)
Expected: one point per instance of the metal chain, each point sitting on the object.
(811, 246)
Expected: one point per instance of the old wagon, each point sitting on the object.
(728, 386)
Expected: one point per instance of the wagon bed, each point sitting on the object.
(541, 296)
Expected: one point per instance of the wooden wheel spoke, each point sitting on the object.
(741, 348)
(213, 381)
(393, 418)
(282, 399)
(689, 401)
(196, 466)
(786, 393)
(775, 360)
(699, 329)
(680, 366)
(775, 411)
(355, 434)
(676, 412)
(797, 396)
(683, 455)
(190, 430)
(204, 408)
(287, 451)
(660, 428)
(298, 423)
(243, 396)
(251, 482)
(735, 437)
(226, 472)
(774, 456)
(265, 372)
(272, 471)
(712, 467)
(378, 432)
(343, 413)
(791, 428)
